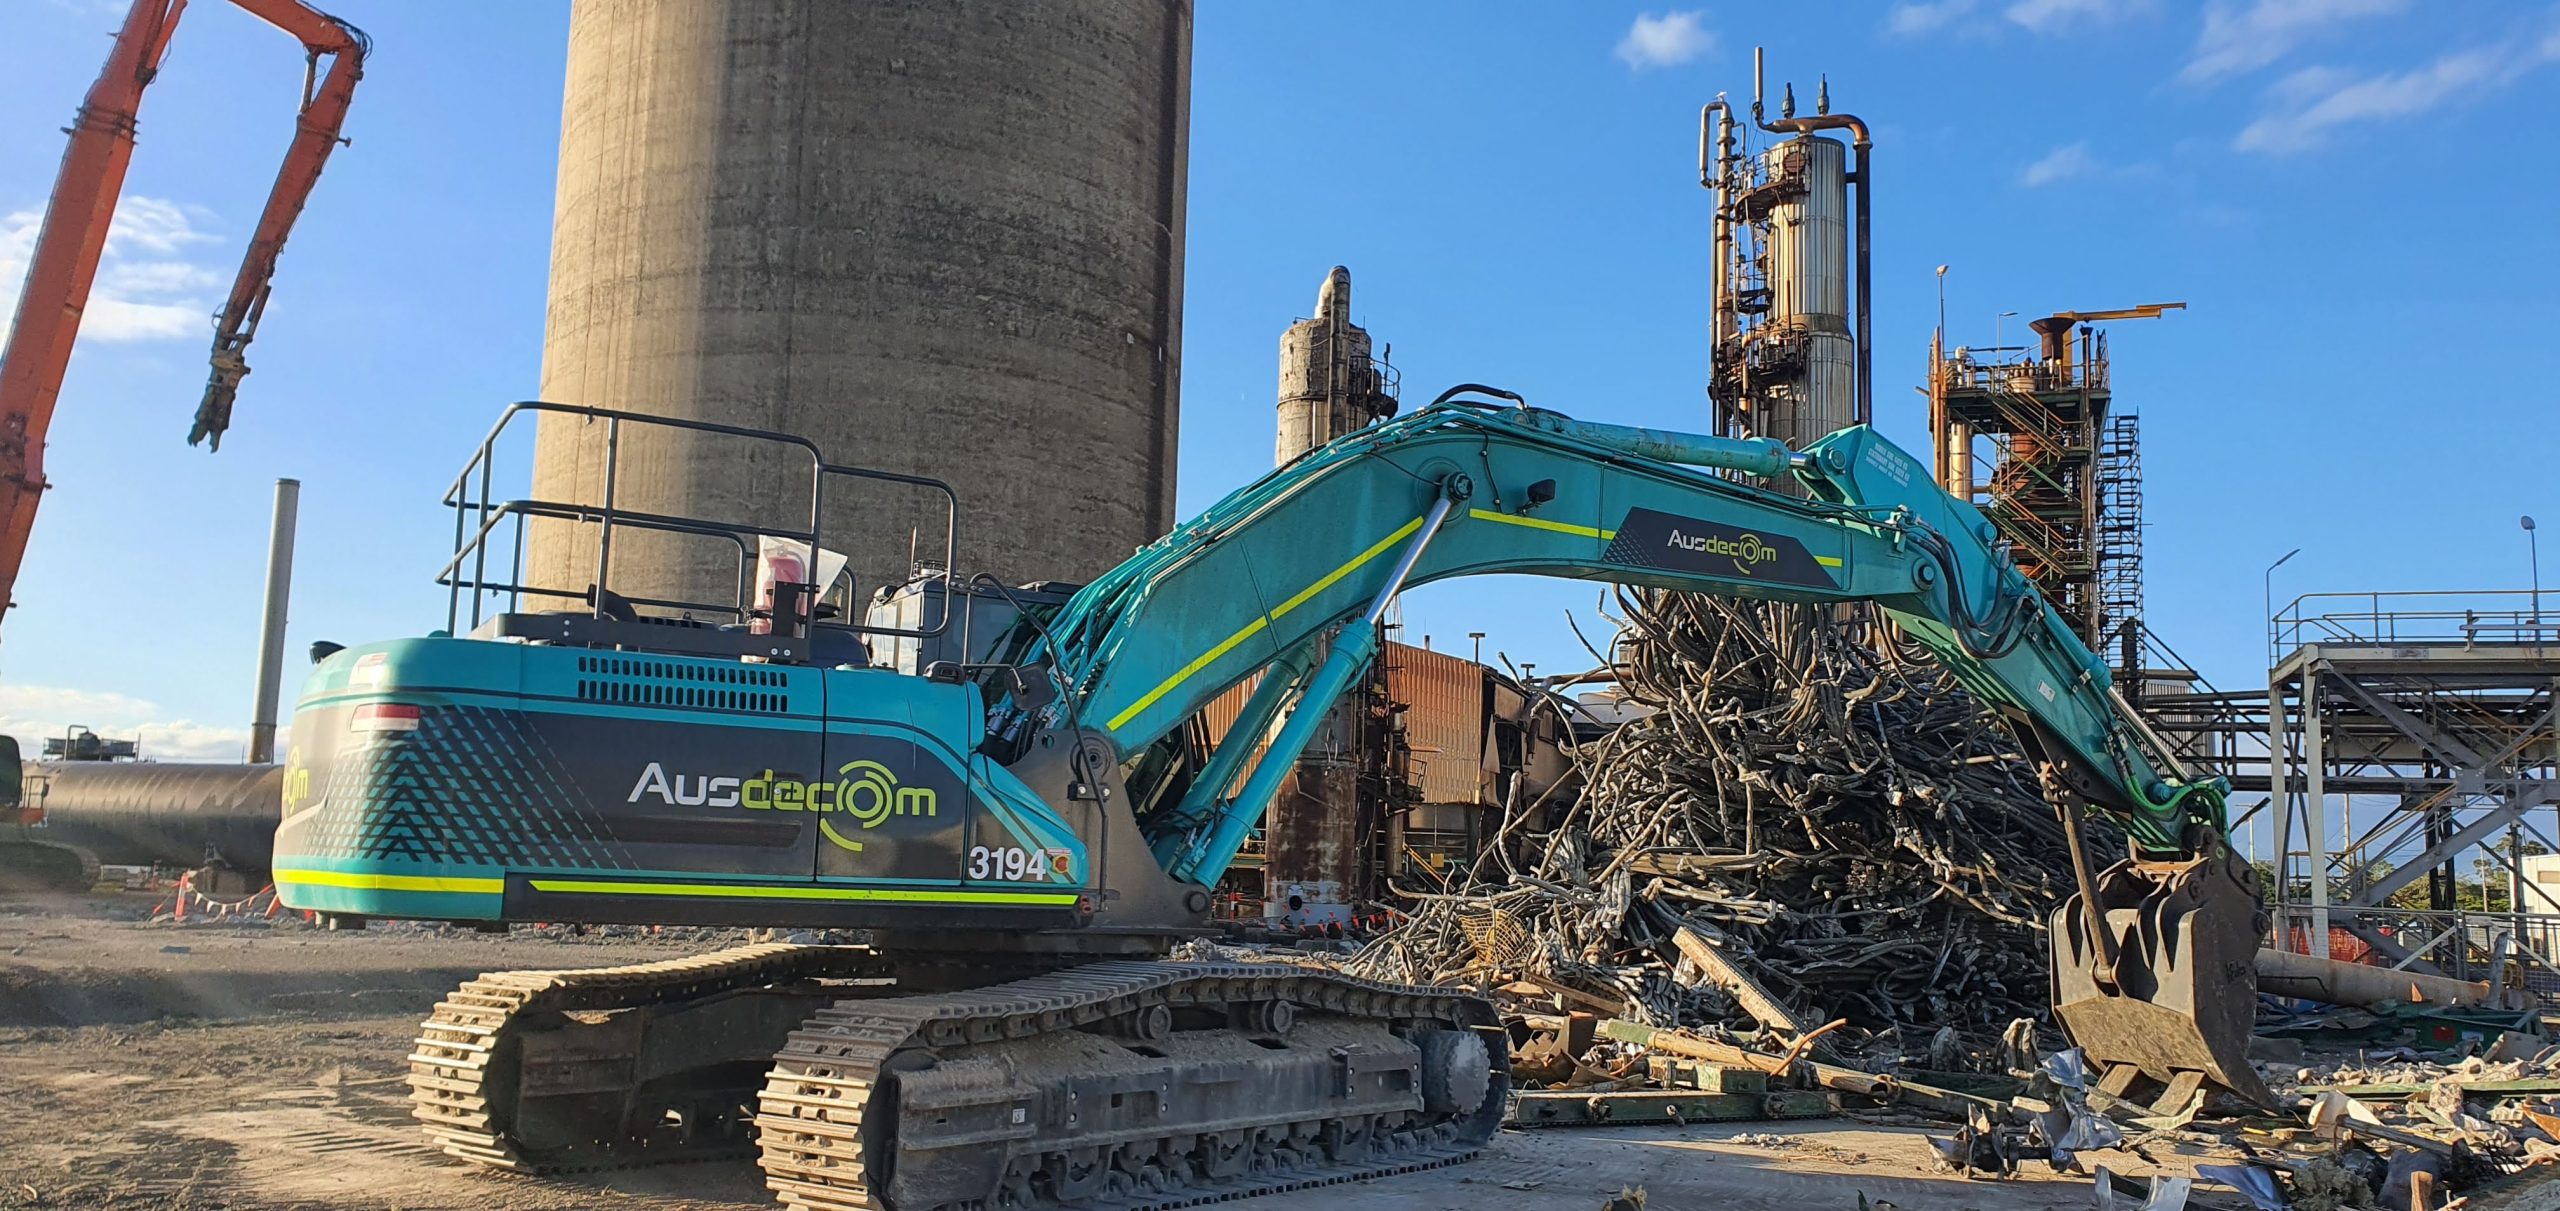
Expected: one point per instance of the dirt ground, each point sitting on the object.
(216, 1065)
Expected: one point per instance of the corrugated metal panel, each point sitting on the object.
(1222, 710)
(1220, 715)
(1444, 722)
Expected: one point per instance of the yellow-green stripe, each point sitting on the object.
(1353, 565)
(333, 878)
(789, 892)
(1255, 627)
(1540, 523)
(1828, 561)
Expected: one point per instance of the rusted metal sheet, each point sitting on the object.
(1445, 722)
(1220, 716)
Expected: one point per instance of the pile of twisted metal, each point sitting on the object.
(1813, 822)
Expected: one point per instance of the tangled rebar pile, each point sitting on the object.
(1833, 811)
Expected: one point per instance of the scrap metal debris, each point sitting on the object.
(1822, 807)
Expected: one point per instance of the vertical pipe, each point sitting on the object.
(262, 720)
(2280, 788)
(1866, 405)
(2315, 810)
(604, 535)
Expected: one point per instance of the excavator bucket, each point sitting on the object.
(2171, 990)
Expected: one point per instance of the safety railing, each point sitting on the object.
(2467, 618)
(480, 515)
(2025, 374)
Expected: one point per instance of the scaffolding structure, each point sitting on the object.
(2428, 719)
(2065, 483)
(2418, 765)
(2118, 545)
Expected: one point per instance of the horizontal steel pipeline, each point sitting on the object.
(147, 813)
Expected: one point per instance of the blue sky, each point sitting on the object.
(2353, 197)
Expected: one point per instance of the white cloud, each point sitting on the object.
(2074, 161)
(1666, 39)
(1917, 17)
(2060, 164)
(34, 713)
(2061, 16)
(146, 290)
(2238, 39)
(2304, 108)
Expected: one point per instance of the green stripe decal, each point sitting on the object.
(1540, 523)
(1255, 627)
(333, 878)
(718, 890)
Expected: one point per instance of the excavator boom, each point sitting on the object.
(81, 211)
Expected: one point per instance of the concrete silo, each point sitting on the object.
(936, 237)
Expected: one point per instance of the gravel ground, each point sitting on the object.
(226, 1065)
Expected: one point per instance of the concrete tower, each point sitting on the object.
(935, 237)
(1329, 385)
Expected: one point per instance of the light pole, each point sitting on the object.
(1996, 346)
(1478, 636)
(1942, 304)
(2533, 547)
(2269, 600)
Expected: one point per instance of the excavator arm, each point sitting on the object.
(1462, 489)
(315, 135)
(81, 210)
(2166, 939)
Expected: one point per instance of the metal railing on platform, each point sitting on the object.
(2471, 619)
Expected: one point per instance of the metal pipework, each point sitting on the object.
(1859, 143)
(262, 718)
(1766, 457)
(1715, 170)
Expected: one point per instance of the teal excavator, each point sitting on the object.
(1004, 788)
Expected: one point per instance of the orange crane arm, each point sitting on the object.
(82, 209)
(315, 134)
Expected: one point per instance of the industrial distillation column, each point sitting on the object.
(935, 237)
(1314, 837)
(1791, 340)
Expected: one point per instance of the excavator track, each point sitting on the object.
(1129, 1085)
(570, 1070)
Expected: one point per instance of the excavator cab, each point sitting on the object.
(2156, 979)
